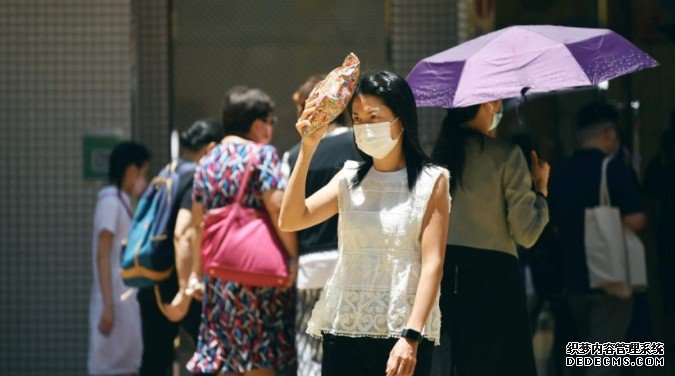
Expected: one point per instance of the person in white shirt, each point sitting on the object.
(115, 339)
(379, 311)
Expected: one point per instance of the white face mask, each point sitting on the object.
(496, 118)
(375, 139)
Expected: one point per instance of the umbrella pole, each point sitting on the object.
(636, 125)
(522, 122)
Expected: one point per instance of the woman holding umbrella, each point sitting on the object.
(483, 303)
(485, 325)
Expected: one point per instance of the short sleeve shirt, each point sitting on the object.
(574, 187)
(219, 175)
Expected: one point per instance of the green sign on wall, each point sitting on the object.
(96, 149)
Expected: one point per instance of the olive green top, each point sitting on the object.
(495, 207)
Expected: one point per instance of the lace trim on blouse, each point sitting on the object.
(372, 290)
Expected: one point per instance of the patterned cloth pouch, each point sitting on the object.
(333, 93)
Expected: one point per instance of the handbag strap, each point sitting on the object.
(604, 191)
(250, 167)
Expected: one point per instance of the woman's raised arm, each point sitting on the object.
(297, 211)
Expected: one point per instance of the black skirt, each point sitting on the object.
(485, 328)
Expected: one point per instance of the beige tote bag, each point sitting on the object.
(614, 254)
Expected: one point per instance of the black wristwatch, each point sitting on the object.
(412, 335)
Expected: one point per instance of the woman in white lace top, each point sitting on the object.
(379, 311)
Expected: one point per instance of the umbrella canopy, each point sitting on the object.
(541, 58)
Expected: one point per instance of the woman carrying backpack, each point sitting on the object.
(378, 313)
(160, 325)
(245, 329)
(115, 343)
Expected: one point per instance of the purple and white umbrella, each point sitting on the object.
(501, 64)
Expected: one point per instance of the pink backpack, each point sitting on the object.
(240, 243)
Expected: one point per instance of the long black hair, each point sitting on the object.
(396, 94)
(450, 149)
(200, 134)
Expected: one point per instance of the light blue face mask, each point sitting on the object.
(496, 118)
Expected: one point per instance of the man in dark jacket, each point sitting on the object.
(575, 186)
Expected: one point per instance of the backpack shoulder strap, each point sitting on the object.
(185, 168)
(172, 166)
(164, 179)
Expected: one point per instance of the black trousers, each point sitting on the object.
(363, 356)
(485, 328)
(159, 333)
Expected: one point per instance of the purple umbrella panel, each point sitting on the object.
(500, 64)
